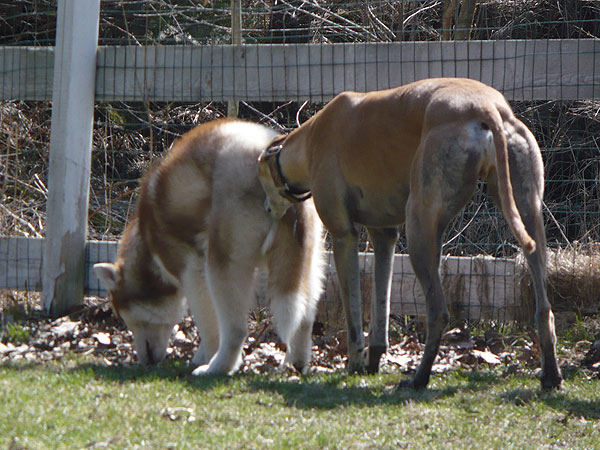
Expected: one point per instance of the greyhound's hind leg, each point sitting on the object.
(526, 171)
(551, 377)
(424, 245)
(384, 241)
(444, 179)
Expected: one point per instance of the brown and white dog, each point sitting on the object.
(200, 231)
(413, 154)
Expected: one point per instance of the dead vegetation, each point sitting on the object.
(95, 331)
(573, 283)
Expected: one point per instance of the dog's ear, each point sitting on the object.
(108, 274)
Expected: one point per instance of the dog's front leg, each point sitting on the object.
(383, 240)
(201, 306)
(345, 253)
(231, 285)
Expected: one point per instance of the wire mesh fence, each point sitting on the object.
(180, 49)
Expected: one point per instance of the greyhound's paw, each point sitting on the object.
(551, 383)
(410, 384)
(374, 356)
(357, 362)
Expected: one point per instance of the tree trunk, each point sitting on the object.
(449, 8)
(465, 20)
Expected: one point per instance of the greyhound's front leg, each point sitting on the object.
(384, 240)
(345, 253)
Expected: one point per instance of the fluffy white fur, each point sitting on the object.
(220, 263)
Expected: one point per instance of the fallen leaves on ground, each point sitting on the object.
(95, 331)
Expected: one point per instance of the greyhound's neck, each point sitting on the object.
(294, 160)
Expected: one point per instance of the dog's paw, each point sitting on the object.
(301, 368)
(405, 385)
(201, 370)
(414, 383)
(357, 362)
(374, 356)
(551, 382)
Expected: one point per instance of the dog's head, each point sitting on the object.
(149, 307)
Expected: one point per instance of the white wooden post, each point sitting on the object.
(70, 154)
(236, 40)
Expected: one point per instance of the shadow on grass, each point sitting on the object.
(176, 371)
(340, 389)
(562, 401)
(567, 400)
(324, 391)
(329, 391)
(589, 409)
(172, 371)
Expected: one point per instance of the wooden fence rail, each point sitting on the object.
(477, 287)
(566, 69)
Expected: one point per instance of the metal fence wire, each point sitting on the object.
(164, 66)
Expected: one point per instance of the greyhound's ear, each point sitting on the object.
(108, 274)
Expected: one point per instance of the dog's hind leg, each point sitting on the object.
(384, 241)
(551, 377)
(294, 319)
(444, 179)
(424, 245)
(231, 287)
(295, 283)
(526, 171)
(196, 291)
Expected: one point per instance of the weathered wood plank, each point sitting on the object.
(565, 69)
(476, 287)
(21, 263)
(523, 70)
(70, 154)
(97, 251)
(26, 73)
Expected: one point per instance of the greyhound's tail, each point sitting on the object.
(505, 190)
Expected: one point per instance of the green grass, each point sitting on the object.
(84, 404)
(15, 333)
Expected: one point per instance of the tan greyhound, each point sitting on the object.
(412, 154)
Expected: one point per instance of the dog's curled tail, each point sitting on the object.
(505, 190)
